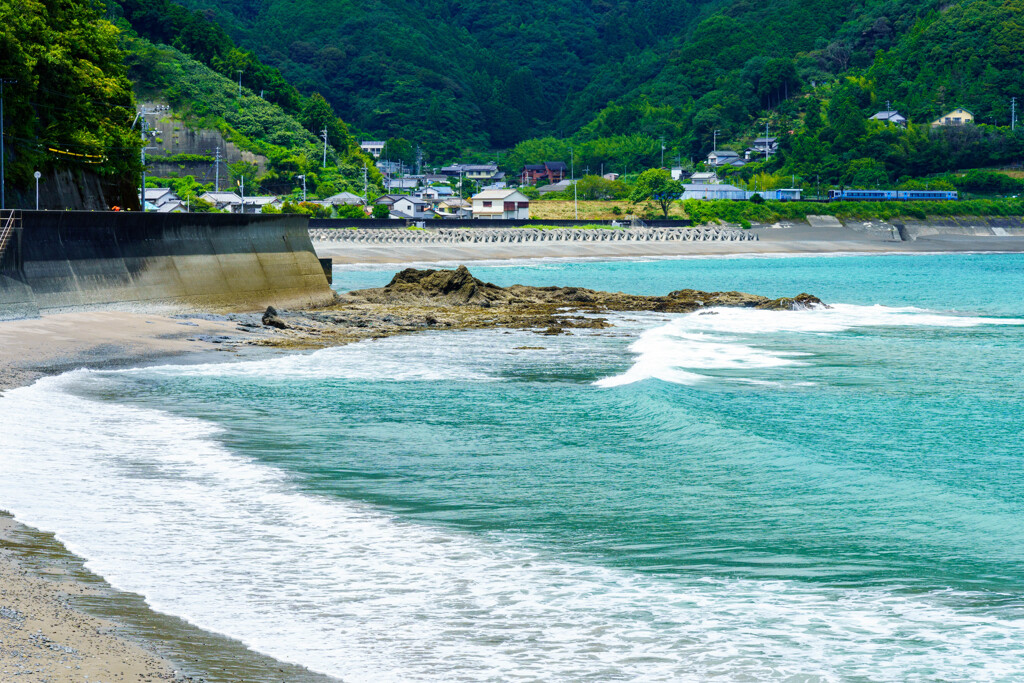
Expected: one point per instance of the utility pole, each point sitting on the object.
(366, 191)
(239, 84)
(663, 152)
(142, 152)
(419, 160)
(572, 172)
(1013, 113)
(323, 134)
(714, 143)
(766, 140)
(216, 171)
(241, 186)
(3, 132)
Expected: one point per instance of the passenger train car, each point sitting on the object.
(892, 195)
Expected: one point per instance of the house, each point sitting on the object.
(502, 204)
(677, 173)
(889, 116)
(411, 207)
(427, 194)
(475, 172)
(725, 157)
(401, 183)
(762, 147)
(158, 196)
(389, 199)
(556, 187)
(454, 207)
(549, 171)
(611, 176)
(957, 117)
(257, 204)
(482, 172)
(374, 147)
(701, 191)
(223, 201)
(704, 178)
(173, 206)
(343, 198)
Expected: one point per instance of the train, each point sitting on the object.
(892, 195)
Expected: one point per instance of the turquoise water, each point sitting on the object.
(826, 495)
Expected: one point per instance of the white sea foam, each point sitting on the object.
(726, 338)
(398, 359)
(158, 507)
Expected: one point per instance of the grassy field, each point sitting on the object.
(745, 213)
(589, 210)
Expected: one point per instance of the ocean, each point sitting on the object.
(822, 495)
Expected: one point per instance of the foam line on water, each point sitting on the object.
(157, 506)
(723, 338)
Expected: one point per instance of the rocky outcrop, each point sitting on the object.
(459, 288)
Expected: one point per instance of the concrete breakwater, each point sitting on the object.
(527, 235)
(65, 260)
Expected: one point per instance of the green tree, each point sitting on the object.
(399, 150)
(244, 174)
(656, 184)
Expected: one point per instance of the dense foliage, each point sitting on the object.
(289, 143)
(70, 105)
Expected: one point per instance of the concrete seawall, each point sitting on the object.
(64, 260)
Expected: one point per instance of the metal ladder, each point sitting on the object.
(10, 220)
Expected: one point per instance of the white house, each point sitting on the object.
(344, 198)
(257, 204)
(502, 204)
(700, 191)
(158, 196)
(704, 178)
(890, 116)
(374, 147)
(411, 207)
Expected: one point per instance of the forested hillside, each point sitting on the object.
(617, 79)
(67, 98)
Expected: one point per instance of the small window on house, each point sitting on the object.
(487, 204)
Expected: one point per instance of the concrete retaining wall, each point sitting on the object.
(391, 223)
(73, 259)
(528, 235)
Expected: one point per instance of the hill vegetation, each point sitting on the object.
(628, 84)
(67, 100)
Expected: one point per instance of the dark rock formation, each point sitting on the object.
(458, 287)
(272, 319)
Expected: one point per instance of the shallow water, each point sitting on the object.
(829, 495)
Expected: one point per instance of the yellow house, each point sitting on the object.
(957, 117)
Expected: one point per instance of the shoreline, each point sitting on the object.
(58, 620)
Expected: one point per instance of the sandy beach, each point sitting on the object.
(58, 621)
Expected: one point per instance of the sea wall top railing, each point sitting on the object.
(10, 222)
(528, 235)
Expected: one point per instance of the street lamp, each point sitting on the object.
(37, 175)
(303, 186)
